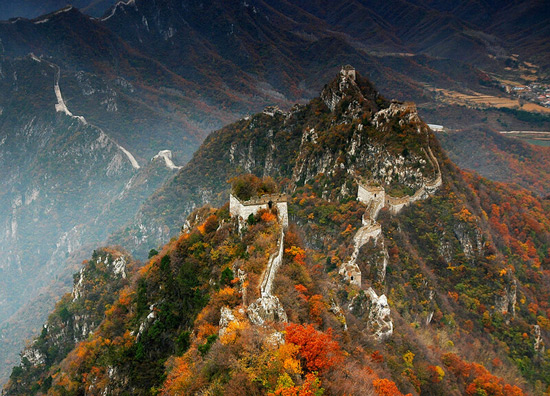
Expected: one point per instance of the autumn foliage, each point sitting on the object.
(480, 381)
(178, 377)
(268, 216)
(318, 350)
(310, 387)
(298, 254)
(385, 387)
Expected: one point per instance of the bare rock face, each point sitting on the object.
(77, 287)
(376, 310)
(119, 267)
(82, 327)
(506, 303)
(407, 113)
(266, 309)
(445, 250)
(116, 265)
(539, 343)
(34, 356)
(379, 320)
(470, 244)
(226, 317)
(275, 339)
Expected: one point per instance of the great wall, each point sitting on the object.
(395, 204)
(267, 307)
(375, 198)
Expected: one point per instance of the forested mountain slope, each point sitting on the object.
(160, 75)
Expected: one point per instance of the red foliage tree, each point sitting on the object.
(480, 380)
(316, 308)
(317, 349)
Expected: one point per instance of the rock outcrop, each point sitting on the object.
(266, 309)
(375, 311)
(379, 320)
(76, 317)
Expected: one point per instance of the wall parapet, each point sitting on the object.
(265, 199)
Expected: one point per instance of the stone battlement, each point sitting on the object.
(371, 188)
(411, 106)
(272, 110)
(398, 200)
(265, 199)
(404, 105)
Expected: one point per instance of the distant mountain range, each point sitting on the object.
(459, 30)
(34, 8)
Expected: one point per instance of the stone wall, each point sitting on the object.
(395, 204)
(372, 194)
(379, 319)
(350, 270)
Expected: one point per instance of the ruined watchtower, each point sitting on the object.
(348, 71)
(372, 195)
(272, 110)
(244, 209)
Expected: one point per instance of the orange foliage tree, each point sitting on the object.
(298, 254)
(310, 387)
(268, 217)
(178, 378)
(385, 387)
(316, 308)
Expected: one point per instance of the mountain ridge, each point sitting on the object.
(385, 293)
(210, 185)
